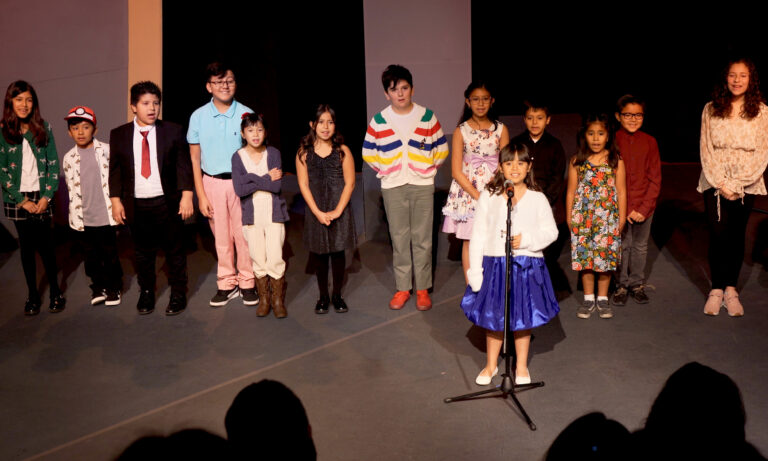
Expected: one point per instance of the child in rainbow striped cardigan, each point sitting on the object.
(405, 145)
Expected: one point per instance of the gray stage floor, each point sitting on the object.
(84, 383)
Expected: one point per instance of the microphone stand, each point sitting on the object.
(507, 387)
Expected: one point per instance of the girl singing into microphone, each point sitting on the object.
(533, 301)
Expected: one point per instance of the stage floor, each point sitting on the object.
(84, 383)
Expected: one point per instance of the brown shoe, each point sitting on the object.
(278, 297)
(262, 287)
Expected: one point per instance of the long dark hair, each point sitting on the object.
(467, 111)
(496, 185)
(11, 123)
(722, 97)
(250, 119)
(308, 141)
(583, 153)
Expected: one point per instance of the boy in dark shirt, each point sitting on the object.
(549, 173)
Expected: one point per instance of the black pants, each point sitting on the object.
(35, 235)
(726, 237)
(102, 263)
(320, 263)
(156, 225)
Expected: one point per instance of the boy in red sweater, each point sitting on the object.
(640, 153)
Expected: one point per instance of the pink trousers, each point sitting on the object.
(227, 227)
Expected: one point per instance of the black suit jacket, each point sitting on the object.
(172, 158)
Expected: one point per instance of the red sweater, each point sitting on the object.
(641, 160)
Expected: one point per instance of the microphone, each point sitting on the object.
(509, 187)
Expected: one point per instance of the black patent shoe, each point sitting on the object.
(176, 305)
(322, 305)
(338, 304)
(32, 307)
(58, 303)
(146, 303)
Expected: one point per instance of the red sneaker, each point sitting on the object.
(423, 303)
(399, 300)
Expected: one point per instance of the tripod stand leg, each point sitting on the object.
(471, 395)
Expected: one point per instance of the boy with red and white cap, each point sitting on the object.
(86, 170)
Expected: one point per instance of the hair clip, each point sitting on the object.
(245, 114)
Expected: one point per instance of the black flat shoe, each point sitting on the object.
(176, 305)
(322, 305)
(338, 304)
(58, 303)
(32, 307)
(146, 303)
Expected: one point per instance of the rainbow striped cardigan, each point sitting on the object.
(427, 147)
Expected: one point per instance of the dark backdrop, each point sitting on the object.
(584, 59)
(288, 57)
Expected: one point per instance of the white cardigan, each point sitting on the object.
(531, 217)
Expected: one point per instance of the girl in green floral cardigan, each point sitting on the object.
(29, 175)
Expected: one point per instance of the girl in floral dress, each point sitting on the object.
(475, 157)
(596, 204)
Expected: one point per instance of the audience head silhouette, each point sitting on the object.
(267, 421)
(590, 437)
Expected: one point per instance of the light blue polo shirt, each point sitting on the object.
(218, 135)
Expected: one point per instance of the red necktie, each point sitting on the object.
(145, 169)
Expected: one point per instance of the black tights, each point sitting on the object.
(320, 262)
(35, 236)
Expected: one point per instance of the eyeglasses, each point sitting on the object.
(629, 116)
(476, 99)
(220, 83)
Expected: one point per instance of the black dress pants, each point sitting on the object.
(156, 225)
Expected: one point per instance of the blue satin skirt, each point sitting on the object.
(533, 299)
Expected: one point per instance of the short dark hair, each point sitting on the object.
(75, 121)
(532, 104)
(393, 74)
(216, 69)
(141, 88)
(629, 99)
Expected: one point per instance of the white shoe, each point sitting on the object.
(483, 380)
(523, 379)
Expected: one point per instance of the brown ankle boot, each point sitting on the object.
(278, 297)
(262, 286)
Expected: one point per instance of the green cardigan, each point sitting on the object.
(10, 167)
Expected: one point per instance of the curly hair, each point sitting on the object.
(722, 97)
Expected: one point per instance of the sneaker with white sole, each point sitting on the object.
(585, 310)
(604, 310)
(222, 297)
(113, 298)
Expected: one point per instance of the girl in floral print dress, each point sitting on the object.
(475, 157)
(596, 204)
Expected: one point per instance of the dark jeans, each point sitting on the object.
(102, 263)
(634, 250)
(156, 225)
(726, 237)
(35, 235)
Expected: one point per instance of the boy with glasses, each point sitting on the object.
(640, 153)
(213, 136)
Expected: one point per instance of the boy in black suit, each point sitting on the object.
(150, 185)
